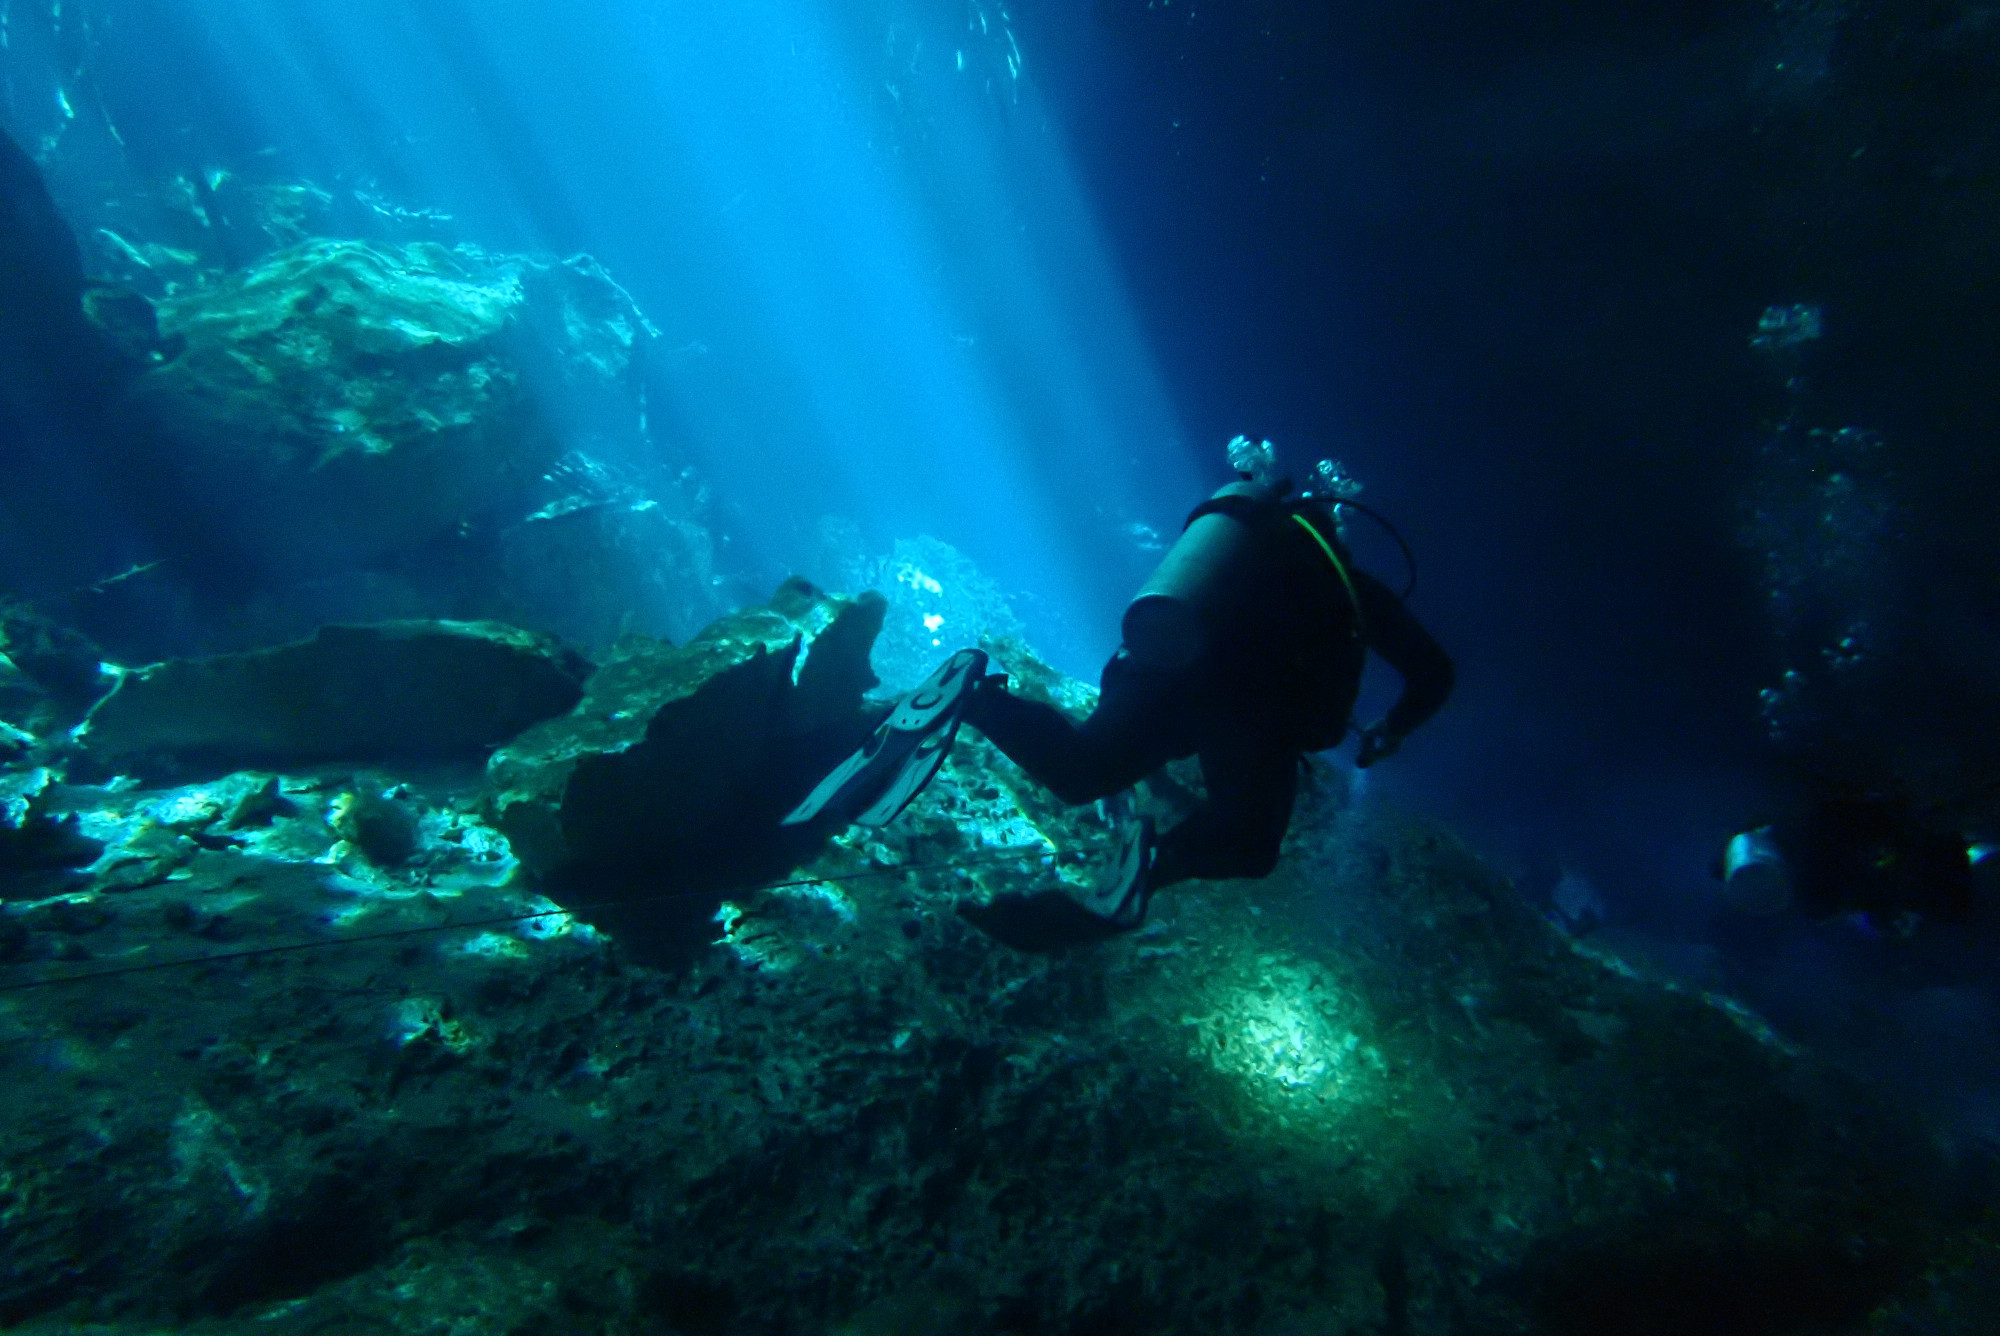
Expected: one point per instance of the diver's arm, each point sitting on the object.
(1395, 634)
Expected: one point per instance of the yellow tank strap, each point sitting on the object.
(1340, 569)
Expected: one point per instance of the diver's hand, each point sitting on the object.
(1377, 744)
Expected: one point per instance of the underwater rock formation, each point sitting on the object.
(370, 429)
(399, 691)
(30, 839)
(611, 551)
(337, 429)
(59, 368)
(364, 397)
(47, 348)
(673, 770)
(1376, 1092)
(937, 598)
(62, 673)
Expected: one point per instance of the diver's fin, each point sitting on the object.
(840, 778)
(940, 694)
(881, 779)
(1052, 920)
(1124, 899)
(917, 770)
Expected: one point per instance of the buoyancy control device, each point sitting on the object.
(1214, 568)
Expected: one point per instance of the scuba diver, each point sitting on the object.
(1881, 858)
(1245, 649)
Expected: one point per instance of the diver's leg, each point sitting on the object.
(1133, 732)
(1237, 832)
(1142, 721)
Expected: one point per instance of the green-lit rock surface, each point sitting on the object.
(397, 691)
(1375, 1093)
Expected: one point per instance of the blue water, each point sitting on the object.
(883, 290)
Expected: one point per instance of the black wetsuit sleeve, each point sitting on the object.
(1395, 634)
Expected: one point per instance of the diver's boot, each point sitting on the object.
(1052, 920)
(874, 785)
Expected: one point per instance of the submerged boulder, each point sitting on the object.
(31, 840)
(368, 396)
(362, 393)
(53, 662)
(673, 770)
(397, 691)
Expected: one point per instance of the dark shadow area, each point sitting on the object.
(334, 1232)
(691, 814)
(1709, 1277)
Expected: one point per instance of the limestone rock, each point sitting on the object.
(374, 395)
(67, 344)
(56, 661)
(361, 392)
(31, 839)
(612, 550)
(678, 762)
(46, 345)
(394, 691)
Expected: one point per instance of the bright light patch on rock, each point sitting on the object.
(1286, 1035)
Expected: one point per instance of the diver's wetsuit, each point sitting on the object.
(1280, 680)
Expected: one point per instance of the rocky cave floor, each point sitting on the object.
(1376, 1093)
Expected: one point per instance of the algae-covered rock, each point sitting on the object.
(354, 398)
(675, 767)
(1375, 1092)
(380, 828)
(396, 691)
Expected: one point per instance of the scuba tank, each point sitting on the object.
(1208, 571)
(1217, 565)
